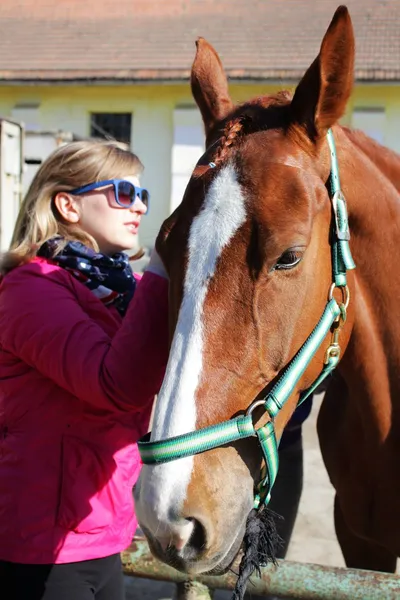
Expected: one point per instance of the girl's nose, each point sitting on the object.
(138, 206)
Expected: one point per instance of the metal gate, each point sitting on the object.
(11, 168)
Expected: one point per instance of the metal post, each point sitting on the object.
(295, 580)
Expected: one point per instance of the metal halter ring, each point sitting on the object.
(345, 293)
(253, 406)
(256, 404)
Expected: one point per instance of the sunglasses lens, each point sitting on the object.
(145, 197)
(126, 193)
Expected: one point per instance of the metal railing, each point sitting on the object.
(301, 581)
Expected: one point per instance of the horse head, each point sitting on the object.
(249, 259)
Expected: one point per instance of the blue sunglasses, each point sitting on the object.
(125, 192)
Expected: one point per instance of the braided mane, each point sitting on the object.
(257, 115)
(233, 130)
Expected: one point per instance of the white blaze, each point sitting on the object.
(163, 487)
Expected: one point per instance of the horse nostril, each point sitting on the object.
(182, 539)
(198, 538)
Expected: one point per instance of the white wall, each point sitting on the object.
(188, 147)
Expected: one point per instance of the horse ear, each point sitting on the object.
(210, 85)
(320, 98)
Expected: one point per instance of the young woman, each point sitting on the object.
(83, 348)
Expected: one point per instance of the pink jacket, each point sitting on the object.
(76, 389)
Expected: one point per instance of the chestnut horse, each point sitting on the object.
(248, 254)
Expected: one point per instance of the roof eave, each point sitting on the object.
(175, 77)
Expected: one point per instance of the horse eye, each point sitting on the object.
(289, 259)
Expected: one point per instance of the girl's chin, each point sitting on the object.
(128, 241)
(122, 243)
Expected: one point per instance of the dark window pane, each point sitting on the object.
(111, 126)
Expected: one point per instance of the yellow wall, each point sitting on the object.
(68, 107)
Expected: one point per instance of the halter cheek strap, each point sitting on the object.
(242, 427)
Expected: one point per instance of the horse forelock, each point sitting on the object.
(259, 114)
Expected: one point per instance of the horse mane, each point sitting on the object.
(387, 161)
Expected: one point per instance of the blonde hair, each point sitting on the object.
(70, 166)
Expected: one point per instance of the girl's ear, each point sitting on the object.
(67, 207)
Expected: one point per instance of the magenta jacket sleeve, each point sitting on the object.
(44, 322)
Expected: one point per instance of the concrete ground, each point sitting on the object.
(313, 539)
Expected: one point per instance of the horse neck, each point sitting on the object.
(370, 177)
(387, 161)
(374, 218)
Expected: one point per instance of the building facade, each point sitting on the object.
(66, 78)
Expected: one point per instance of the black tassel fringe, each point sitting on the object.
(261, 543)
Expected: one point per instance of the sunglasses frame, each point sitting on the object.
(115, 182)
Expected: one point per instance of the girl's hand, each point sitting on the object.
(156, 265)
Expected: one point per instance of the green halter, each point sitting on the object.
(242, 427)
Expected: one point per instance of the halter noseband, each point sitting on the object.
(241, 427)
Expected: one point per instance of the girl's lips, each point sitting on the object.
(133, 227)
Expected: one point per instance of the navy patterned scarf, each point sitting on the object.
(110, 278)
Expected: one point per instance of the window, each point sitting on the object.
(111, 126)
(371, 120)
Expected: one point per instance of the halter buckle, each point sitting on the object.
(344, 233)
